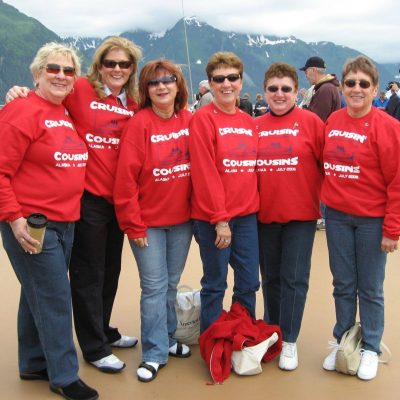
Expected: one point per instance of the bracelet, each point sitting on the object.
(221, 224)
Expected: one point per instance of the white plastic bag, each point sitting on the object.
(248, 360)
(187, 308)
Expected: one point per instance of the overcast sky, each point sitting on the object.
(371, 27)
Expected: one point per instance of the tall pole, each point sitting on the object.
(187, 55)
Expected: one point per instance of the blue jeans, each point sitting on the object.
(44, 315)
(285, 263)
(358, 268)
(242, 255)
(160, 268)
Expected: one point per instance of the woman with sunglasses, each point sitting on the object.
(290, 177)
(100, 105)
(362, 192)
(152, 191)
(223, 153)
(42, 170)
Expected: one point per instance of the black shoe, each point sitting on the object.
(34, 376)
(77, 390)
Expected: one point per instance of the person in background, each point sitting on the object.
(361, 190)
(325, 95)
(381, 101)
(290, 177)
(152, 192)
(245, 104)
(260, 106)
(392, 87)
(205, 94)
(100, 105)
(324, 101)
(225, 200)
(393, 105)
(42, 170)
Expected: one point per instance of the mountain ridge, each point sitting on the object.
(21, 36)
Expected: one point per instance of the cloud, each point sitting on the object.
(371, 28)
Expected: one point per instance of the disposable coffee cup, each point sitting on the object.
(37, 228)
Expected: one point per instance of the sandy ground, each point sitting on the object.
(189, 378)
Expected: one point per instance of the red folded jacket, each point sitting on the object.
(231, 332)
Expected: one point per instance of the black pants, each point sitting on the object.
(94, 272)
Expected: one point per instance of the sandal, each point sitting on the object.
(151, 369)
(177, 350)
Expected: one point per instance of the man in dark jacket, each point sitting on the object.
(326, 97)
(324, 101)
(393, 106)
(245, 104)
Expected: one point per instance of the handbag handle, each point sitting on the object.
(388, 352)
(184, 288)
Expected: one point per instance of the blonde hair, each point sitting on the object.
(50, 49)
(133, 52)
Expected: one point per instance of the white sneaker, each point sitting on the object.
(330, 361)
(110, 364)
(288, 359)
(368, 366)
(125, 341)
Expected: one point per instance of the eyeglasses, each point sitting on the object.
(165, 80)
(284, 89)
(221, 78)
(112, 64)
(362, 82)
(55, 69)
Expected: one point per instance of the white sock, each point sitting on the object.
(185, 349)
(145, 373)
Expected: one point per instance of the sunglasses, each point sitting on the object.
(221, 78)
(55, 69)
(284, 89)
(165, 80)
(112, 64)
(362, 82)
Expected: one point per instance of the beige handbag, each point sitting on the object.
(187, 309)
(248, 360)
(348, 356)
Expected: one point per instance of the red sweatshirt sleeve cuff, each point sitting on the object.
(390, 236)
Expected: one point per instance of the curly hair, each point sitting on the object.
(50, 49)
(361, 63)
(223, 59)
(281, 70)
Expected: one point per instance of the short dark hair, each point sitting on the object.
(281, 70)
(364, 64)
(223, 59)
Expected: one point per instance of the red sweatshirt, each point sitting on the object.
(100, 123)
(42, 161)
(152, 184)
(289, 167)
(223, 152)
(362, 167)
